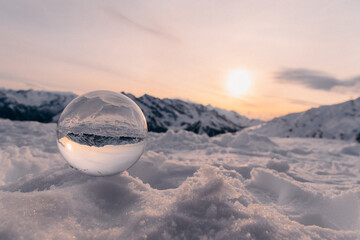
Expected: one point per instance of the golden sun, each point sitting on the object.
(238, 82)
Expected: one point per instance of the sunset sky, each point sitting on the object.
(294, 55)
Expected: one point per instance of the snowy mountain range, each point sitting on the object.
(338, 121)
(161, 114)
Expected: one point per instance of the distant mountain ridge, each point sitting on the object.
(338, 121)
(161, 114)
(30, 105)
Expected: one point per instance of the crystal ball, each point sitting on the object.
(101, 133)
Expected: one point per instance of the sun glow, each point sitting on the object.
(238, 82)
(68, 145)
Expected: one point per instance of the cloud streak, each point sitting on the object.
(314, 79)
(125, 20)
(26, 82)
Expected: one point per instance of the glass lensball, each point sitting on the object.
(101, 133)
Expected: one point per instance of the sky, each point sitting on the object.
(298, 54)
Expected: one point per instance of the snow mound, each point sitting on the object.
(336, 212)
(245, 141)
(278, 165)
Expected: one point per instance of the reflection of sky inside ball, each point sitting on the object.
(101, 133)
(100, 160)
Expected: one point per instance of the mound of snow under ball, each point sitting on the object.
(185, 186)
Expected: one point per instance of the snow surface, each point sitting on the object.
(185, 186)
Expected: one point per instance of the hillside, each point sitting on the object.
(338, 121)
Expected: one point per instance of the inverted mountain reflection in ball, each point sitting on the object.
(101, 133)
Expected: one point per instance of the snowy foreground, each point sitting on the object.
(185, 186)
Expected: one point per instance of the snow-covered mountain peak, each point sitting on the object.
(338, 121)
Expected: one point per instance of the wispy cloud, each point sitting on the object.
(26, 82)
(142, 27)
(77, 61)
(87, 65)
(303, 102)
(314, 79)
(294, 100)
